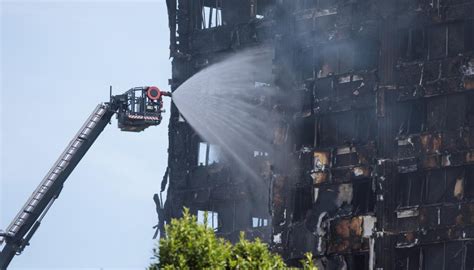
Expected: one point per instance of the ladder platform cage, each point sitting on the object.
(141, 107)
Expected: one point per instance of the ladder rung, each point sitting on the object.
(32, 201)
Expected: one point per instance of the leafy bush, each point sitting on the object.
(253, 255)
(308, 262)
(189, 245)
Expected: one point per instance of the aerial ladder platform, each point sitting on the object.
(136, 110)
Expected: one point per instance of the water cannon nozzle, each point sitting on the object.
(167, 94)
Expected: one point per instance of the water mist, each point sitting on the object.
(227, 103)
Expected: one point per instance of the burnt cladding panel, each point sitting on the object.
(469, 35)
(469, 182)
(357, 261)
(455, 179)
(433, 257)
(442, 256)
(435, 186)
(408, 259)
(454, 254)
(470, 109)
(305, 136)
(447, 112)
(409, 189)
(340, 58)
(437, 41)
(412, 117)
(235, 11)
(346, 127)
(302, 202)
(305, 63)
(412, 44)
(443, 185)
(457, 38)
(456, 112)
(436, 113)
(363, 197)
(469, 251)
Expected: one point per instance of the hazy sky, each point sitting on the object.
(57, 62)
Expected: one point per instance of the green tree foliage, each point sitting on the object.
(308, 262)
(190, 245)
(253, 255)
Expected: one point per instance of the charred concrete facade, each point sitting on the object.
(373, 165)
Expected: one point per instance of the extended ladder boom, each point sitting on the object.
(28, 219)
(137, 109)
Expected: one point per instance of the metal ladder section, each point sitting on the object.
(30, 208)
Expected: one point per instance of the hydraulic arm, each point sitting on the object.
(136, 109)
